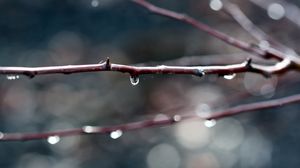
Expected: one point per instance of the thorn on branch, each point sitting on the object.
(107, 64)
(248, 63)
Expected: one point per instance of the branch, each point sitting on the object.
(262, 52)
(292, 12)
(203, 27)
(155, 122)
(135, 71)
(237, 14)
(286, 62)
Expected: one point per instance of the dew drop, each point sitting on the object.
(177, 118)
(200, 72)
(210, 123)
(95, 3)
(12, 77)
(216, 5)
(116, 134)
(89, 129)
(53, 139)
(229, 76)
(134, 80)
(160, 117)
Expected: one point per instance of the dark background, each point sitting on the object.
(56, 32)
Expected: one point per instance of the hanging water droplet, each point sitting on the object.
(134, 80)
(53, 139)
(210, 123)
(116, 134)
(12, 77)
(229, 76)
(95, 3)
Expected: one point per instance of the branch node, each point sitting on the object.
(200, 72)
(248, 63)
(107, 64)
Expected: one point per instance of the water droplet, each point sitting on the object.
(200, 72)
(12, 77)
(116, 134)
(89, 129)
(177, 118)
(53, 139)
(216, 5)
(95, 3)
(210, 123)
(229, 76)
(134, 80)
(161, 117)
(276, 11)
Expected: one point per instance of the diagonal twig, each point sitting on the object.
(262, 52)
(155, 122)
(238, 15)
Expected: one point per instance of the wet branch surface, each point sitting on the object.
(246, 66)
(285, 63)
(155, 122)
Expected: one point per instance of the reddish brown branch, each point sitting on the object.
(292, 12)
(238, 15)
(246, 66)
(285, 63)
(156, 122)
(262, 52)
(199, 25)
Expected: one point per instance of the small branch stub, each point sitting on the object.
(107, 64)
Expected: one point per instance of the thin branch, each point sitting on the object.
(135, 71)
(199, 25)
(262, 52)
(235, 12)
(155, 122)
(286, 62)
(238, 15)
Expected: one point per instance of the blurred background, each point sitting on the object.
(53, 32)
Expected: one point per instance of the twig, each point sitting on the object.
(197, 24)
(155, 122)
(135, 71)
(238, 15)
(292, 12)
(262, 52)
